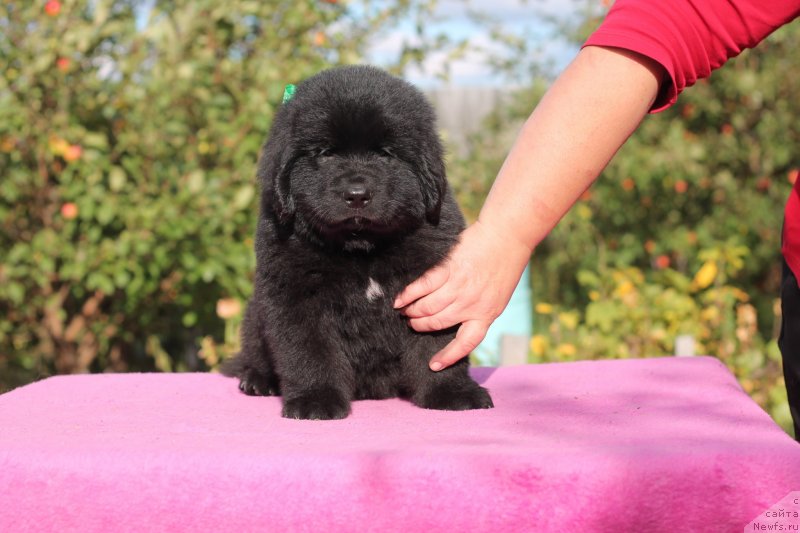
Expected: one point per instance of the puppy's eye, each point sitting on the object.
(325, 152)
(385, 152)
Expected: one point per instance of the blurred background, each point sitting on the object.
(130, 129)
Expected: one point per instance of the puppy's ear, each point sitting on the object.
(274, 173)
(433, 180)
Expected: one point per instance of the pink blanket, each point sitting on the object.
(626, 445)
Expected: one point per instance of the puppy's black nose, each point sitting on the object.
(357, 196)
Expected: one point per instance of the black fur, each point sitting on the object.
(353, 195)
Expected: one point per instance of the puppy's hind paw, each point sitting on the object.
(254, 383)
(449, 398)
(317, 404)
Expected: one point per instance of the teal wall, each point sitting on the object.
(515, 320)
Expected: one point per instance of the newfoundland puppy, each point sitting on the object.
(354, 206)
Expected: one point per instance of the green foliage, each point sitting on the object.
(703, 183)
(129, 133)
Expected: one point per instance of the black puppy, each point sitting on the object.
(354, 206)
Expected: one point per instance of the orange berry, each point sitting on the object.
(62, 63)
(228, 308)
(649, 246)
(69, 210)
(628, 184)
(681, 186)
(726, 129)
(52, 8)
(73, 152)
(662, 261)
(319, 38)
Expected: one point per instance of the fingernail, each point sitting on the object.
(396, 304)
(436, 366)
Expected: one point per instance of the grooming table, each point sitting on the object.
(670, 444)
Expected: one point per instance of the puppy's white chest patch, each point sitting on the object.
(374, 290)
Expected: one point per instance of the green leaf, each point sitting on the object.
(244, 196)
(189, 319)
(116, 179)
(15, 293)
(196, 181)
(98, 280)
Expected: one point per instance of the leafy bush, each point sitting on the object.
(129, 134)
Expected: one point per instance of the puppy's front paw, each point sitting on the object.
(317, 404)
(449, 398)
(254, 383)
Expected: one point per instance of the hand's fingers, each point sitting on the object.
(469, 336)
(429, 282)
(431, 304)
(437, 322)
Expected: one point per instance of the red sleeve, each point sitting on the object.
(690, 38)
(790, 245)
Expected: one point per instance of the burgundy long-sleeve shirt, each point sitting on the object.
(690, 38)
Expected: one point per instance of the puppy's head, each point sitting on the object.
(353, 159)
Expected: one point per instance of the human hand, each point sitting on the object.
(471, 287)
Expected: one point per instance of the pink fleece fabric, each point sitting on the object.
(626, 445)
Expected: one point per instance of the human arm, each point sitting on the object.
(569, 138)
